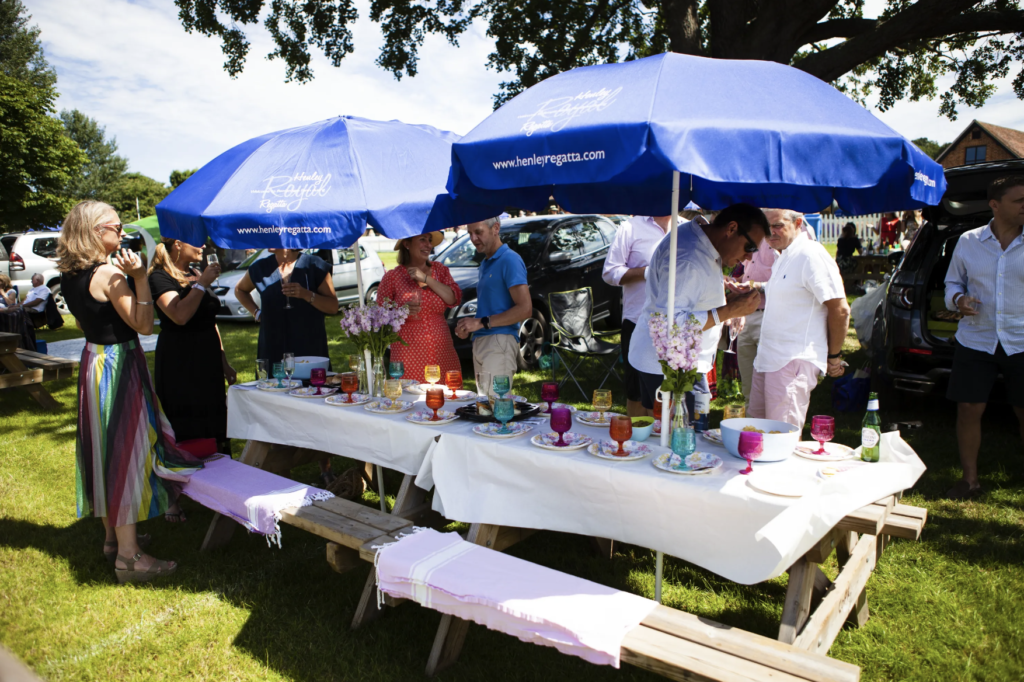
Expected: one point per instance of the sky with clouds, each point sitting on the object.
(164, 94)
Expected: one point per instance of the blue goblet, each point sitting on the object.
(504, 410)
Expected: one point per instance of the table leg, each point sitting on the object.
(803, 576)
(38, 393)
(844, 549)
(256, 453)
(659, 568)
(451, 634)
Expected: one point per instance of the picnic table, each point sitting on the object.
(508, 489)
(29, 370)
(873, 267)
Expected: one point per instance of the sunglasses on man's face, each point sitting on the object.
(750, 246)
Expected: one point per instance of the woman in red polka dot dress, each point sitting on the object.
(425, 330)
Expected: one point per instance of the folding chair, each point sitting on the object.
(574, 337)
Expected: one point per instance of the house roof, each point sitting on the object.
(1011, 140)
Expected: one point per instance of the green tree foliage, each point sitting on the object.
(898, 55)
(21, 55)
(104, 166)
(180, 176)
(131, 186)
(929, 147)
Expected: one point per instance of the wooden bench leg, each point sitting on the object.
(451, 634)
(38, 393)
(844, 550)
(221, 527)
(803, 576)
(604, 547)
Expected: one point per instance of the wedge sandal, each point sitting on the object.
(110, 548)
(159, 569)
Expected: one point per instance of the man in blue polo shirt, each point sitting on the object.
(503, 302)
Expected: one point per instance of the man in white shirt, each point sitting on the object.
(701, 251)
(985, 281)
(804, 324)
(626, 266)
(35, 302)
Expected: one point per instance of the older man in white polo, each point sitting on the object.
(804, 324)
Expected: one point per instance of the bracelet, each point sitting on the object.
(714, 314)
(957, 297)
(199, 287)
(144, 302)
(312, 297)
(834, 356)
(256, 315)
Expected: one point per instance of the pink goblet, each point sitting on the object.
(318, 377)
(822, 430)
(549, 393)
(751, 446)
(561, 422)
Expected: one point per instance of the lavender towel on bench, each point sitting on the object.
(250, 496)
(538, 605)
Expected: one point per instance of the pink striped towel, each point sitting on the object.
(538, 605)
(251, 496)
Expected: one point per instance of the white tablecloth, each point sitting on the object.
(715, 521)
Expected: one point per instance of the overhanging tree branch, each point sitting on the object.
(1005, 21)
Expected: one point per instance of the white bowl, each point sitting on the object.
(305, 363)
(777, 446)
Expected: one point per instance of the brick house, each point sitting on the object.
(981, 142)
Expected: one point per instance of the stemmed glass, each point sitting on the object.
(621, 430)
(317, 377)
(279, 373)
(561, 422)
(213, 260)
(435, 401)
(549, 393)
(750, 448)
(287, 299)
(732, 337)
(393, 391)
(502, 384)
(415, 297)
(602, 402)
(823, 428)
(504, 410)
(288, 360)
(261, 370)
(432, 373)
(453, 380)
(396, 370)
(349, 384)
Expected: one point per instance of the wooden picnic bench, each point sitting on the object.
(872, 267)
(30, 370)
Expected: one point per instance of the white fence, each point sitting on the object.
(832, 227)
(379, 244)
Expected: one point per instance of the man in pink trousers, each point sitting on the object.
(804, 324)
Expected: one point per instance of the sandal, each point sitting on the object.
(328, 478)
(963, 491)
(110, 548)
(175, 517)
(159, 569)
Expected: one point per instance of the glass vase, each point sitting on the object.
(684, 439)
(379, 376)
(363, 385)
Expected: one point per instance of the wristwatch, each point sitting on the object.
(834, 356)
(486, 322)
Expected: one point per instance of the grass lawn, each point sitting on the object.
(945, 608)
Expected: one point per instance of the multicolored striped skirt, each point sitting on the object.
(128, 466)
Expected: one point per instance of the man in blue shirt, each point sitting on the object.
(503, 302)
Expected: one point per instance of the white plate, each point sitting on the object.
(605, 449)
(661, 462)
(383, 406)
(834, 452)
(590, 419)
(576, 441)
(490, 429)
(271, 385)
(310, 392)
(341, 399)
(424, 417)
(783, 483)
(836, 469)
(544, 408)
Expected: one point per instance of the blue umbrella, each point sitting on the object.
(607, 139)
(320, 185)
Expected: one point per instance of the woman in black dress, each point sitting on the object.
(305, 280)
(190, 362)
(846, 245)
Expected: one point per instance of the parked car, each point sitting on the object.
(343, 274)
(912, 346)
(561, 252)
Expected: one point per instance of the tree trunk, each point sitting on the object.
(683, 26)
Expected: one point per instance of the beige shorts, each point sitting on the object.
(494, 354)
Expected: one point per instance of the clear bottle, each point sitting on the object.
(871, 431)
(683, 440)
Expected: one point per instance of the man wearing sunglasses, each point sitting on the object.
(804, 323)
(702, 250)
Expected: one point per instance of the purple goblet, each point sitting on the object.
(561, 422)
(750, 447)
(549, 393)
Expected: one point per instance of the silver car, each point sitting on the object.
(343, 272)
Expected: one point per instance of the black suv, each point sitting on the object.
(912, 336)
(561, 252)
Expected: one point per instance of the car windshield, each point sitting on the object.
(528, 239)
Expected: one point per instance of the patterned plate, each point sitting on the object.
(491, 429)
(834, 452)
(832, 470)
(342, 399)
(544, 408)
(271, 385)
(383, 406)
(310, 392)
(462, 396)
(605, 449)
(591, 419)
(576, 441)
(409, 385)
(711, 436)
(424, 417)
(704, 462)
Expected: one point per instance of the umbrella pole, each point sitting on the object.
(666, 412)
(369, 364)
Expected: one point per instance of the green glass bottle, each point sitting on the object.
(871, 431)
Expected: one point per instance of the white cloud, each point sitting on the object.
(165, 96)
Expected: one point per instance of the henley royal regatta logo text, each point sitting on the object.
(288, 192)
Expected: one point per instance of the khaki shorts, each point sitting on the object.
(495, 354)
